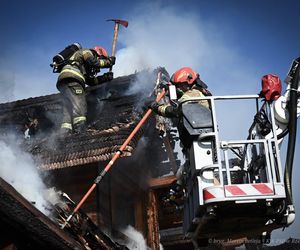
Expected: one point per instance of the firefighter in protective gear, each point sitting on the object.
(188, 85)
(81, 69)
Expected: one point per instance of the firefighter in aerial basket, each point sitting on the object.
(78, 67)
(188, 85)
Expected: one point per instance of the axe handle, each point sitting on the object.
(116, 31)
(113, 51)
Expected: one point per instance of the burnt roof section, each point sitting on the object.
(114, 109)
(25, 225)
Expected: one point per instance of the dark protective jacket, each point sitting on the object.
(83, 66)
(170, 111)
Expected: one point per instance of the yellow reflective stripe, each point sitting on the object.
(190, 95)
(79, 119)
(102, 63)
(204, 103)
(73, 72)
(185, 97)
(66, 125)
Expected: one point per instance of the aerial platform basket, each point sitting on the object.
(234, 188)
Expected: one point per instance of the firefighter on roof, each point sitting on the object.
(74, 73)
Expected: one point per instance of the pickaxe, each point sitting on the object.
(116, 31)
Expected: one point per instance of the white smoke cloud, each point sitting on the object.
(18, 169)
(144, 83)
(164, 37)
(135, 239)
(159, 37)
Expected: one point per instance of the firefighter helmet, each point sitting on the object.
(101, 51)
(184, 75)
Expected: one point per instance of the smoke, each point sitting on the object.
(155, 38)
(135, 239)
(18, 169)
(144, 83)
(163, 36)
(143, 86)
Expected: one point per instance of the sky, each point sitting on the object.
(231, 44)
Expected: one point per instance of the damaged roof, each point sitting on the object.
(114, 109)
(26, 226)
(19, 215)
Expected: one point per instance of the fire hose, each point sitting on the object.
(114, 158)
(292, 128)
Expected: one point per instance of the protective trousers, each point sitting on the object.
(74, 104)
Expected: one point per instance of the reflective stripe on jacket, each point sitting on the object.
(79, 119)
(168, 110)
(194, 93)
(83, 64)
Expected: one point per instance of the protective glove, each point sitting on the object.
(108, 76)
(154, 106)
(146, 102)
(112, 60)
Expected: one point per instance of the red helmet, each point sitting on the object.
(101, 51)
(184, 75)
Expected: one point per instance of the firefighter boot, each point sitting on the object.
(79, 127)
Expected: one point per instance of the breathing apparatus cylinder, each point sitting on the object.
(62, 57)
(66, 53)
